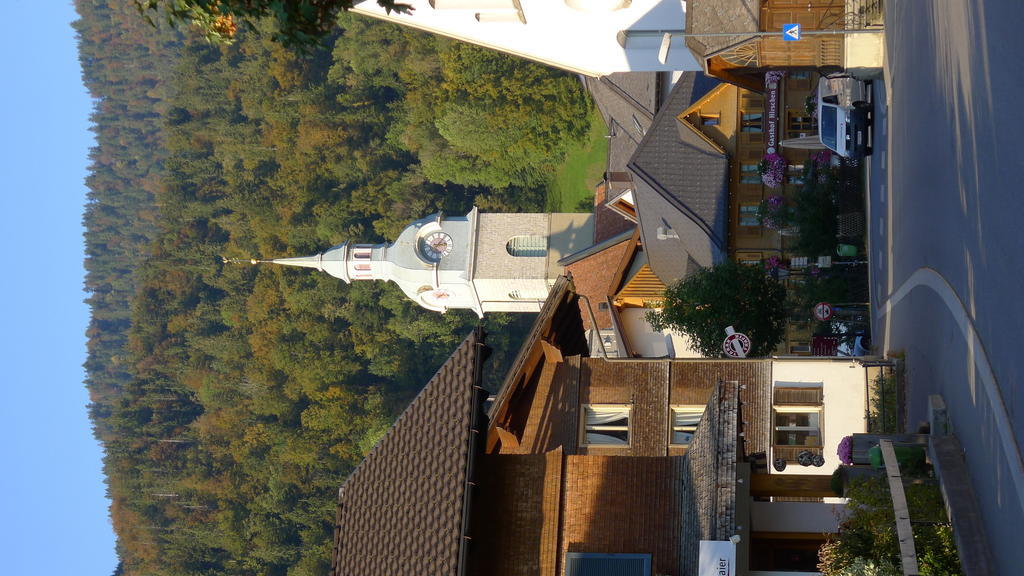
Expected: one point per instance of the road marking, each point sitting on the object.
(879, 260)
(881, 191)
(884, 156)
(881, 226)
(930, 278)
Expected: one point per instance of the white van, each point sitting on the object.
(845, 115)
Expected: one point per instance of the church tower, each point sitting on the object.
(480, 262)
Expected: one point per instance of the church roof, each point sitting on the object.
(331, 261)
(404, 510)
(682, 188)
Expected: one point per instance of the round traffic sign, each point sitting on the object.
(736, 345)
(822, 311)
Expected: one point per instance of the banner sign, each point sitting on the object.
(771, 84)
(717, 558)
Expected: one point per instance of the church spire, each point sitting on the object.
(479, 262)
(302, 261)
(331, 261)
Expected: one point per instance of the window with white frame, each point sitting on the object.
(684, 423)
(606, 424)
(798, 426)
(796, 421)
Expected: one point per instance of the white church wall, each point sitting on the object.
(511, 289)
(592, 37)
(525, 306)
(493, 260)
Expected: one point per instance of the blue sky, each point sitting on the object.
(52, 484)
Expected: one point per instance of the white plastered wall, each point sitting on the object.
(649, 343)
(844, 400)
(806, 517)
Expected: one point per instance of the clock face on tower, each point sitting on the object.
(436, 245)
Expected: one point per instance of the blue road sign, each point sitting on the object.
(790, 32)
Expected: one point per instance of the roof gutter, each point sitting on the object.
(474, 442)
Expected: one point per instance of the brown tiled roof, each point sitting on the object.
(401, 512)
(607, 222)
(717, 16)
(515, 511)
(617, 504)
(592, 277)
(692, 381)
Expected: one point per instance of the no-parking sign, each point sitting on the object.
(822, 311)
(736, 344)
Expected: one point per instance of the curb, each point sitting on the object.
(961, 502)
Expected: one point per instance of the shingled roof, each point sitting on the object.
(628, 102)
(404, 510)
(709, 470)
(704, 16)
(682, 188)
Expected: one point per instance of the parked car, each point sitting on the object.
(845, 115)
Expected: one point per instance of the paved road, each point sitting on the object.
(947, 235)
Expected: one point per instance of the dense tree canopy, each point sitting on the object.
(296, 22)
(702, 305)
(232, 401)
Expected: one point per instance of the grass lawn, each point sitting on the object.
(572, 188)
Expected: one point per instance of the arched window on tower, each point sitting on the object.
(527, 246)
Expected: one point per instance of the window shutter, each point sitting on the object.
(527, 246)
(798, 396)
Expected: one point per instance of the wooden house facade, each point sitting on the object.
(747, 126)
(584, 465)
(744, 59)
(695, 188)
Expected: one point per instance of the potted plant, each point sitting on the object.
(775, 214)
(823, 165)
(845, 450)
(772, 169)
(774, 267)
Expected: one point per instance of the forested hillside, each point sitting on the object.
(232, 400)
